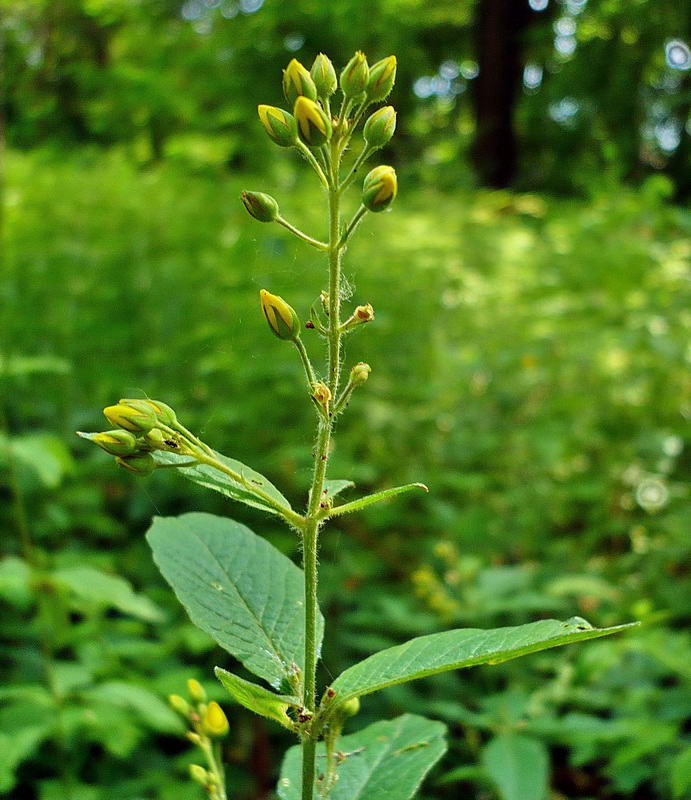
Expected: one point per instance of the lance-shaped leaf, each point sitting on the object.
(371, 499)
(465, 647)
(237, 588)
(242, 488)
(257, 698)
(335, 487)
(385, 761)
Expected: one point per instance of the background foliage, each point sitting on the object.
(530, 363)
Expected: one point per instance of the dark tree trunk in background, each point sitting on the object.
(499, 26)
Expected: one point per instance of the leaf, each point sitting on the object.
(147, 705)
(385, 761)
(100, 588)
(681, 773)
(257, 698)
(464, 647)
(519, 766)
(237, 588)
(377, 497)
(211, 478)
(335, 487)
(45, 454)
(242, 491)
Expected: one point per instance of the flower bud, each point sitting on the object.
(195, 738)
(179, 704)
(281, 317)
(154, 439)
(322, 394)
(314, 127)
(131, 418)
(196, 690)
(297, 82)
(354, 76)
(141, 464)
(215, 722)
(260, 206)
(351, 707)
(279, 124)
(380, 127)
(164, 413)
(199, 775)
(360, 373)
(379, 188)
(117, 443)
(382, 77)
(363, 314)
(324, 76)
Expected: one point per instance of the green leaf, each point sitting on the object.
(335, 487)
(257, 698)
(237, 588)
(385, 761)
(681, 773)
(519, 766)
(371, 499)
(464, 647)
(101, 589)
(240, 490)
(148, 706)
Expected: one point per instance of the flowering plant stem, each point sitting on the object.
(312, 523)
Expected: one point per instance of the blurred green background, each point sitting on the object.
(530, 363)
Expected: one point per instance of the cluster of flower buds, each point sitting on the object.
(208, 724)
(311, 124)
(137, 433)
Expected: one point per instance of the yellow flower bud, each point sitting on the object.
(314, 127)
(261, 206)
(179, 704)
(281, 317)
(141, 464)
(117, 443)
(215, 722)
(164, 413)
(354, 76)
(138, 420)
(379, 188)
(196, 690)
(360, 373)
(380, 127)
(279, 124)
(322, 394)
(297, 82)
(382, 77)
(324, 76)
(199, 775)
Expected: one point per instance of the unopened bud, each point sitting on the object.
(279, 124)
(214, 721)
(281, 317)
(195, 738)
(360, 373)
(196, 690)
(379, 188)
(380, 127)
(179, 704)
(354, 76)
(314, 127)
(324, 76)
(117, 443)
(141, 464)
(297, 82)
(351, 707)
(155, 439)
(164, 413)
(138, 420)
(382, 77)
(322, 394)
(199, 775)
(260, 206)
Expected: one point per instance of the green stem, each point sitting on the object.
(307, 153)
(312, 522)
(359, 161)
(305, 238)
(354, 222)
(306, 363)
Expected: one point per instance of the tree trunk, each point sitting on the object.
(499, 28)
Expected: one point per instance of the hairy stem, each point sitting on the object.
(311, 527)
